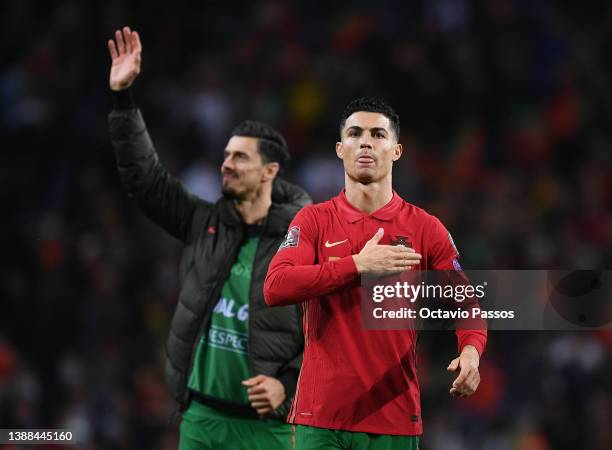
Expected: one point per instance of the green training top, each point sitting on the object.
(221, 359)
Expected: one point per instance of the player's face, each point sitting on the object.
(368, 147)
(243, 169)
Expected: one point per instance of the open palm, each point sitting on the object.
(125, 52)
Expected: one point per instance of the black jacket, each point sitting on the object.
(212, 233)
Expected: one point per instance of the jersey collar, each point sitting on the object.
(352, 214)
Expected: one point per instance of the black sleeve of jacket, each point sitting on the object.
(161, 196)
(288, 379)
(288, 376)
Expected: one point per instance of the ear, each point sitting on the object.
(339, 150)
(270, 171)
(397, 151)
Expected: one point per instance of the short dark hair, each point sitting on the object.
(271, 144)
(372, 104)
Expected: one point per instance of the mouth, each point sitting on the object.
(366, 159)
(229, 176)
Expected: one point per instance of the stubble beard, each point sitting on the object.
(230, 194)
(362, 178)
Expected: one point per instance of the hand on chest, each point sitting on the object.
(348, 239)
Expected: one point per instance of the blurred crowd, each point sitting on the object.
(505, 106)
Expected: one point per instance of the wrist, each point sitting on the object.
(471, 352)
(123, 99)
(357, 263)
(121, 86)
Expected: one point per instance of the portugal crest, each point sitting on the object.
(401, 240)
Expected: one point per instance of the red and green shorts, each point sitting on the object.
(312, 438)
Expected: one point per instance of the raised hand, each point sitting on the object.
(125, 52)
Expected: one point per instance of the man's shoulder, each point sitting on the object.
(420, 216)
(315, 214)
(205, 210)
(319, 208)
(416, 211)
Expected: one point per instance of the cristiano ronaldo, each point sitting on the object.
(358, 389)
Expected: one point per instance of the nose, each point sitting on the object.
(227, 163)
(365, 141)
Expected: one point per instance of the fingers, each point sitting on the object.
(396, 266)
(399, 252)
(457, 393)
(463, 374)
(256, 390)
(410, 259)
(464, 390)
(260, 404)
(258, 397)
(400, 265)
(400, 249)
(127, 41)
(458, 388)
(402, 261)
(136, 48)
(120, 43)
(466, 383)
(136, 45)
(454, 364)
(112, 49)
(127, 37)
(253, 381)
(395, 271)
(262, 407)
(472, 382)
(376, 238)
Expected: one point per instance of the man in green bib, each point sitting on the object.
(232, 363)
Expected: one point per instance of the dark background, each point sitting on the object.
(506, 109)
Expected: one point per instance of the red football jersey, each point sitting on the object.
(351, 378)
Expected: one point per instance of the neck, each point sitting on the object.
(368, 197)
(254, 208)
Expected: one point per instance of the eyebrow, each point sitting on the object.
(372, 130)
(228, 151)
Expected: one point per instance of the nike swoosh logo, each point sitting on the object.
(333, 244)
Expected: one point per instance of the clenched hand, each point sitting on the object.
(265, 393)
